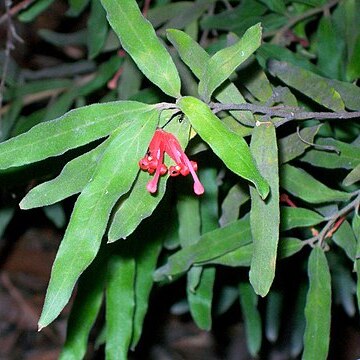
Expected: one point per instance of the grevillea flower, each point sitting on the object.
(153, 162)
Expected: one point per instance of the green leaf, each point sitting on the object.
(252, 319)
(353, 67)
(113, 177)
(120, 303)
(345, 238)
(231, 148)
(265, 215)
(230, 207)
(146, 254)
(312, 85)
(224, 62)
(275, 5)
(6, 214)
(348, 158)
(77, 7)
(139, 203)
(85, 309)
(138, 38)
(274, 305)
(298, 217)
(302, 185)
(76, 128)
(210, 246)
(97, 26)
(349, 93)
(330, 46)
(318, 308)
(160, 14)
(356, 228)
(194, 56)
(72, 180)
(353, 176)
(242, 256)
(34, 10)
(291, 146)
(56, 214)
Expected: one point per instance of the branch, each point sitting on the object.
(334, 222)
(287, 113)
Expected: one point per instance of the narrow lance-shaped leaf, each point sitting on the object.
(292, 217)
(86, 307)
(194, 56)
(138, 38)
(353, 176)
(76, 128)
(73, 178)
(120, 302)
(299, 183)
(308, 83)
(252, 319)
(231, 148)
(318, 308)
(345, 238)
(356, 228)
(200, 293)
(139, 203)
(112, 178)
(225, 61)
(265, 215)
(210, 246)
(147, 249)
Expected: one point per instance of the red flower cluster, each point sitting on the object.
(153, 162)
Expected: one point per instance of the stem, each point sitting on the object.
(329, 229)
(287, 113)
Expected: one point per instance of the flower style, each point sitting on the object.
(153, 162)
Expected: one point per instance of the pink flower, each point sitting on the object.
(153, 162)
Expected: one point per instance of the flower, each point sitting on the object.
(153, 162)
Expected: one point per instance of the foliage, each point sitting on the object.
(267, 103)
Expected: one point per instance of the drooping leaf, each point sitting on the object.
(252, 319)
(348, 158)
(231, 148)
(221, 65)
(308, 83)
(6, 214)
(318, 308)
(77, 6)
(120, 303)
(194, 56)
(76, 128)
(146, 254)
(210, 246)
(97, 29)
(265, 214)
(138, 38)
(85, 309)
(113, 177)
(230, 207)
(292, 217)
(274, 306)
(301, 184)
